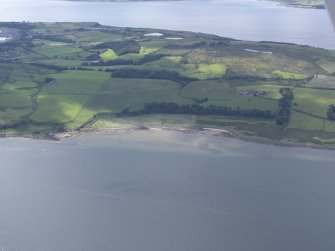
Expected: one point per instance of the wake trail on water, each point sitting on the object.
(2, 247)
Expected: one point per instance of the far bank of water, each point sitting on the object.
(240, 19)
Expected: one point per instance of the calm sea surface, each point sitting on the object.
(152, 190)
(241, 19)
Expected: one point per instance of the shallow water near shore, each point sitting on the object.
(162, 190)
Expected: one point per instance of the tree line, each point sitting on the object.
(53, 67)
(120, 47)
(99, 62)
(54, 37)
(185, 46)
(17, 25)
(331, 112)
(196, 109)
(149, 74)
(285, 104)
(147, 58)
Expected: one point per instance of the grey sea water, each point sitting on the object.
(164, 191)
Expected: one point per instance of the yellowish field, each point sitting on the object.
(108, 55)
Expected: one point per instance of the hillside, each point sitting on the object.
(59, 77)
(317, 4)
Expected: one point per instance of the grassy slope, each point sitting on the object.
(222, 68)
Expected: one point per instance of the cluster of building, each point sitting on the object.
(253, 93)
(5, 36)
(7, 55)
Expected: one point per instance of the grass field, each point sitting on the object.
(62, 78)
(12, 116)
(208, 71)
(222, 94)
(58, 108)
(118, 94)
(288, 75)
(314, 101)
(303, 121)
(76, 82)
(56, 50)
(5, 72)
(322, 82)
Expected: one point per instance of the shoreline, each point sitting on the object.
(298, 6)
(207, 132)
(291, 5)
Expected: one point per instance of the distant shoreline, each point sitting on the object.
(124, 0)
(297, 5)
(280, 3)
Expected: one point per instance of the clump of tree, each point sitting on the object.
(48, 80)
(17, 25)
(95, 60)
(84, 69)
(93, 57)
(120, 47)
(331, 112)
(151, 57)
(196, 109)
(200, 100)
(52, 67)
(223, 42)
(285, 104)
(149, 74)
(109, 63)
(54, 37)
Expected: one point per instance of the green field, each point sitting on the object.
(52, 50)
(314, 101)
(76, 76)
(76, 82)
